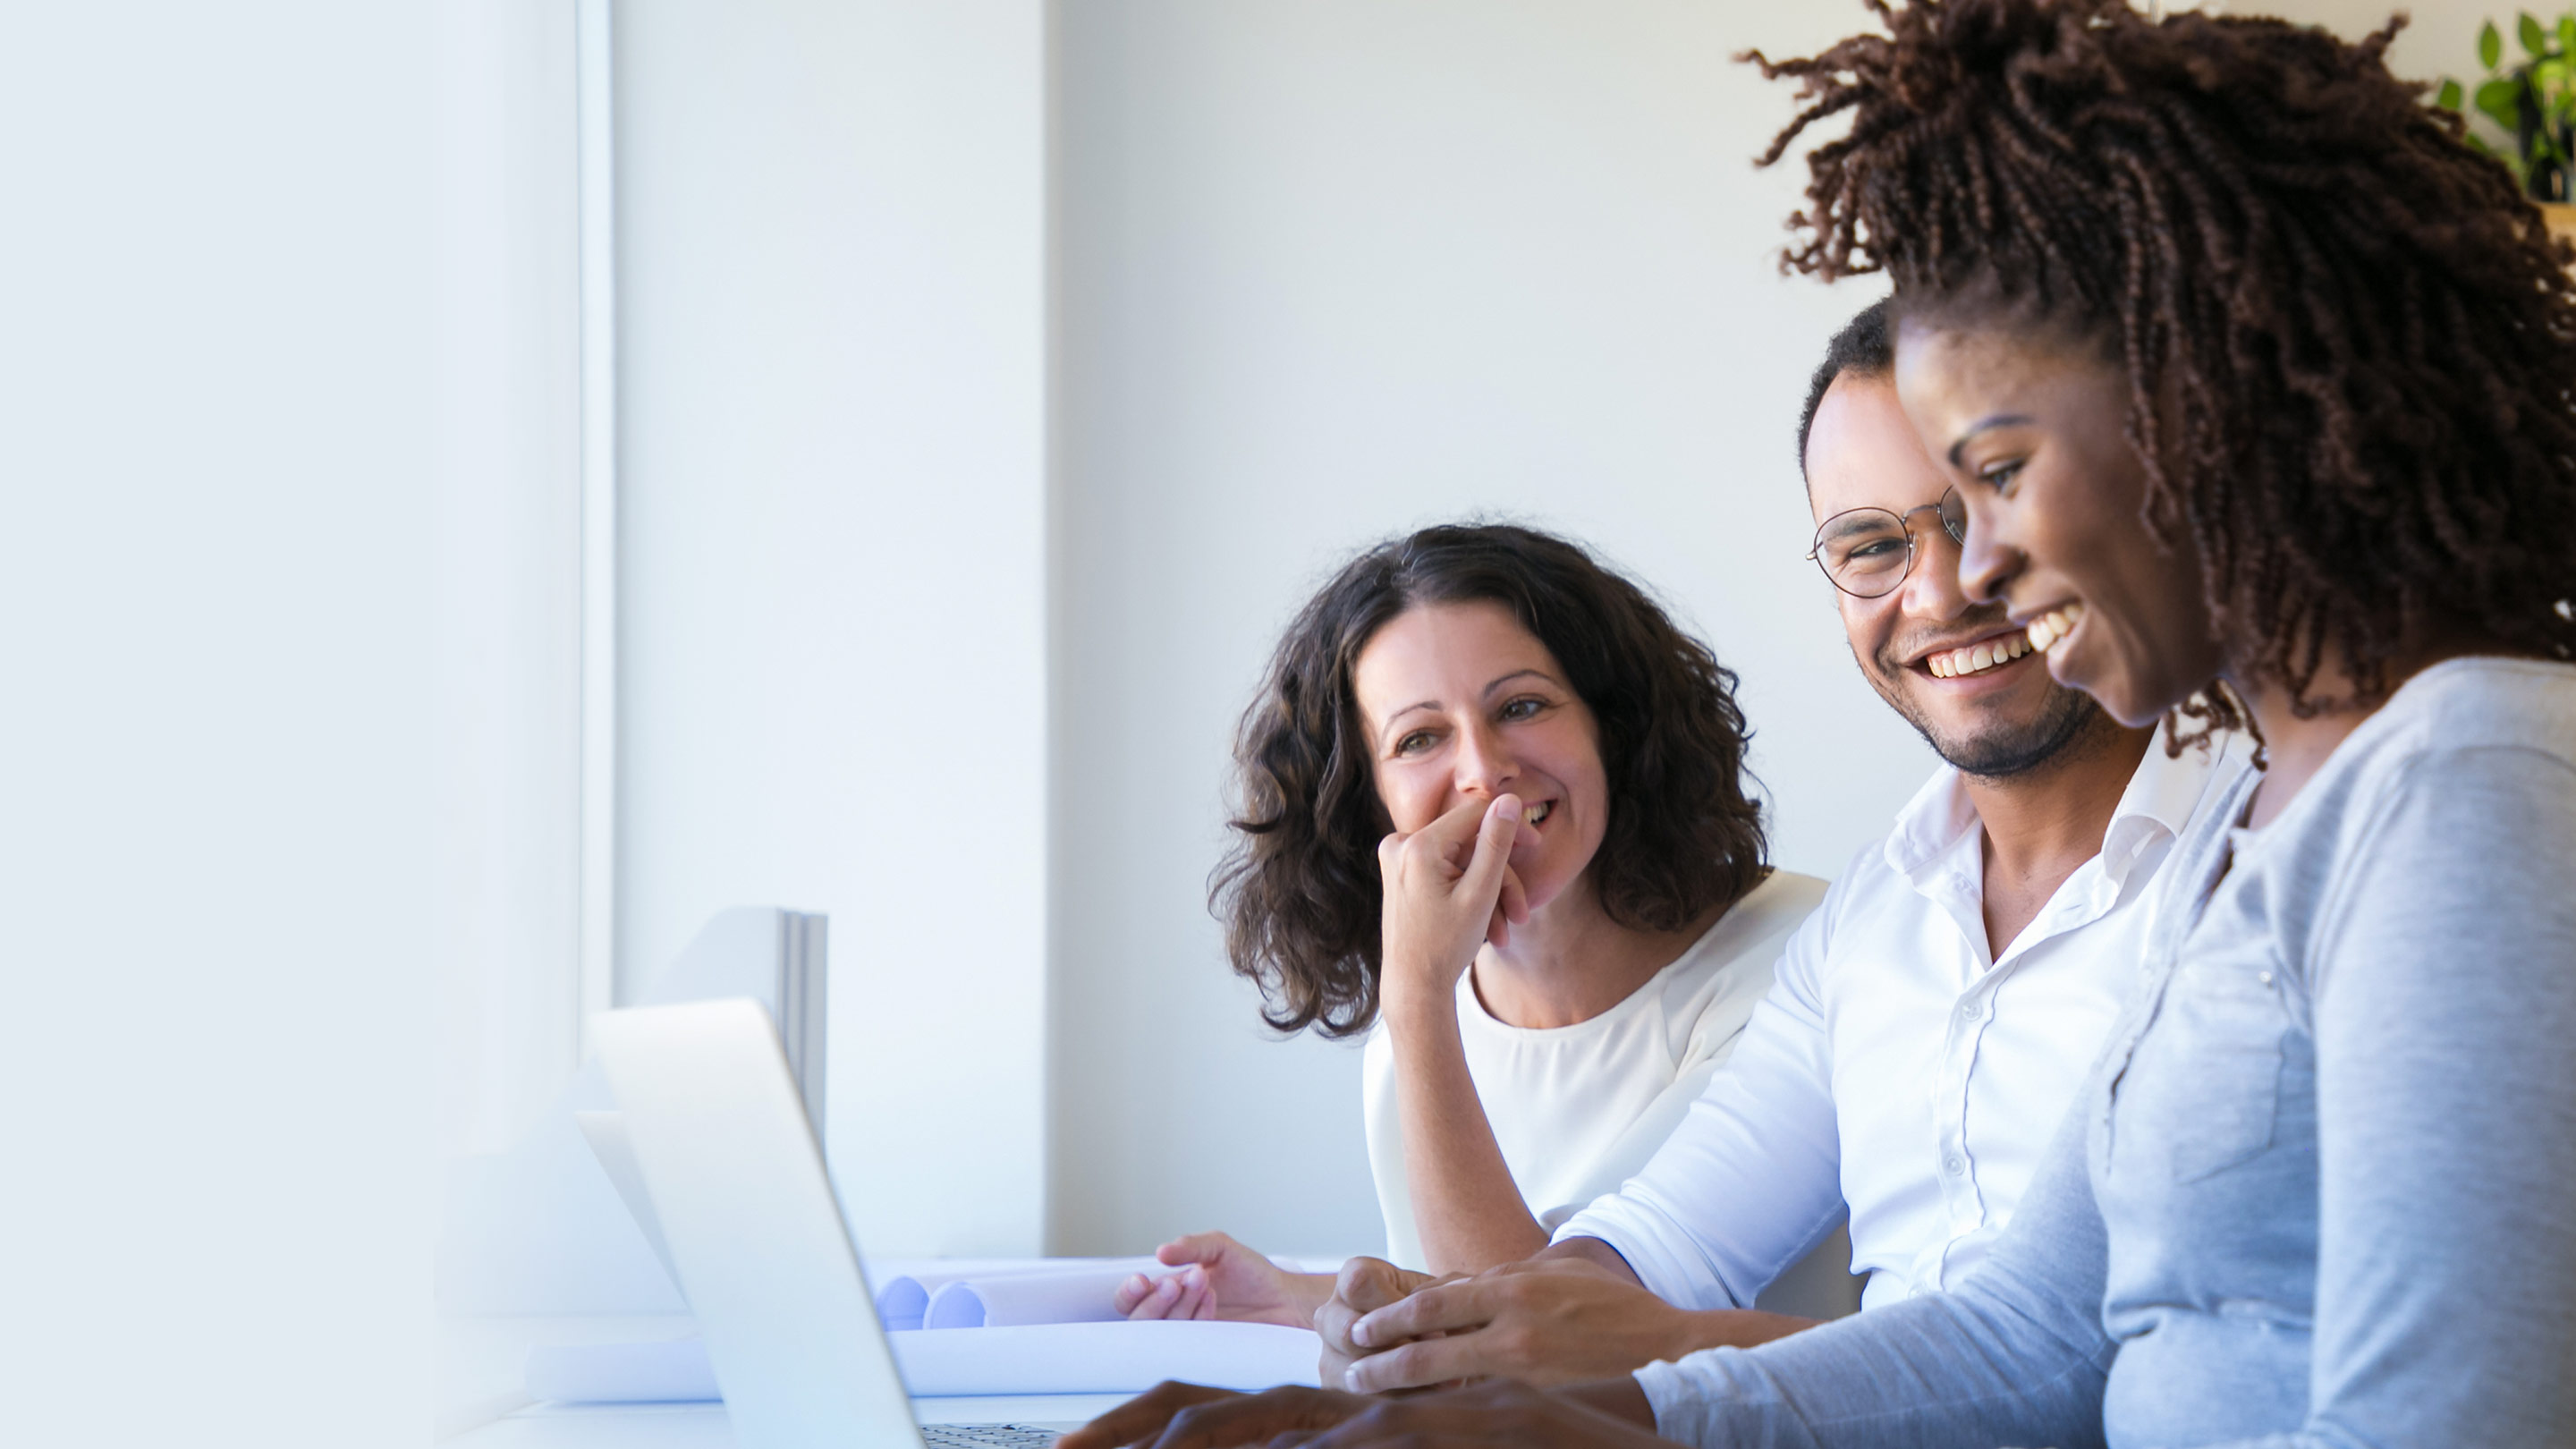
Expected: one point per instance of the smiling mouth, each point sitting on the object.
(2054, 625)
(1977, 658)
(1538, 812)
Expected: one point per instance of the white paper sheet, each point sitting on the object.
(1056, 1358)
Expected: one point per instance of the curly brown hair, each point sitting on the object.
(2362, 335)
(1299, 890)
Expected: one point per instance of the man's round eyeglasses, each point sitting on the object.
(1867, 552)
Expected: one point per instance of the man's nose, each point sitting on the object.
(1932, 589)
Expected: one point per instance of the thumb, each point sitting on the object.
(1494, 836)
(1194, 1248)
(1368, 1283)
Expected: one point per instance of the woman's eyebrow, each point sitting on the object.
(1999, 420)
(1388, 728)
(1502, 680)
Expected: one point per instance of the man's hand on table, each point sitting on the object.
(1187, 1416)
(1558, 1320)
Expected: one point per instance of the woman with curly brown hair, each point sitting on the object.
(1492, 811)
(2251, 374)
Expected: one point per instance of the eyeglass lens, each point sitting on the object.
(1868, 551)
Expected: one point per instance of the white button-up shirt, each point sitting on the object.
(1897, 1066)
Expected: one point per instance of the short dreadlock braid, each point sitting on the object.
(2363, 336)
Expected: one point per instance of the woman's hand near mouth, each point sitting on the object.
(1448, 888)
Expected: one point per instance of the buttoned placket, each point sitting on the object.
(2081, 899)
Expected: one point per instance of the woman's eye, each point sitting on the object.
(1414, 743)
(2000, 476)
(1522, 708)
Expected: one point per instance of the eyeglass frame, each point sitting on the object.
(1904, 525)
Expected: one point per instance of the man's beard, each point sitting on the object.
(2070, 720)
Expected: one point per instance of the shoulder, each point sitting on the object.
(1711, 990)
(2455, 726)
(2463, 783)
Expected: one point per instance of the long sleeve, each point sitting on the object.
(1748, 1183)
(2014, 1355)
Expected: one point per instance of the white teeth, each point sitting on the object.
(2054, 625)
(1977, 657)
(1537, 813)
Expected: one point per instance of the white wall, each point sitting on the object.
(217, 754)
(832, 309)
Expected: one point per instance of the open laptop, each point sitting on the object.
(752, 1232)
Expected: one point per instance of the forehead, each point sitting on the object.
(1444, 652)
(1945, 373)
(1863, 453)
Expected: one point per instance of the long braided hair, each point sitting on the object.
(2350, 342)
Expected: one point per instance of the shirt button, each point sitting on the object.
(1968, 1011)
(1953, 1166)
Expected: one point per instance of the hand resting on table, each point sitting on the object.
(1553, 1320)
(1222, 1279)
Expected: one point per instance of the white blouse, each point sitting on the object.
(1578, 1109)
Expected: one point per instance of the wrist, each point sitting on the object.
(1691, 1331)
(1412, 997)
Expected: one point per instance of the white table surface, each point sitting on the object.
(703, 1426)
(484, 1405)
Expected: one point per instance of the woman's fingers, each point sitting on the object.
(1256, 1418)
(1141, 1418)
(1510, 911)
(1194, 1300)
(1159, 1298)
(1130, 1293)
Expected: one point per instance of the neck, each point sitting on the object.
(2043, 823)
(1570, 962)
(2058, 810)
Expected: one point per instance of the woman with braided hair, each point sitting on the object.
(2259, 386)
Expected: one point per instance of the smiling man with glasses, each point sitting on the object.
(1929, 1023)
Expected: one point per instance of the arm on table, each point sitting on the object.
(2015, 1355)
(1571, 1315)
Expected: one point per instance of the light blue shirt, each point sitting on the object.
(2317, 1192)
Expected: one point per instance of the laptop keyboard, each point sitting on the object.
(985, 1436)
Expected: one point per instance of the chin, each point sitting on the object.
(2132, 704)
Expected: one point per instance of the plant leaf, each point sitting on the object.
(2490, 46)
(2448, 97)
(2535, 41)
(2567, 33)
(2497, 99)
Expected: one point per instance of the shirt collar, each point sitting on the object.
(2158, 802)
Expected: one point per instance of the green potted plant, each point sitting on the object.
(2523, 113)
